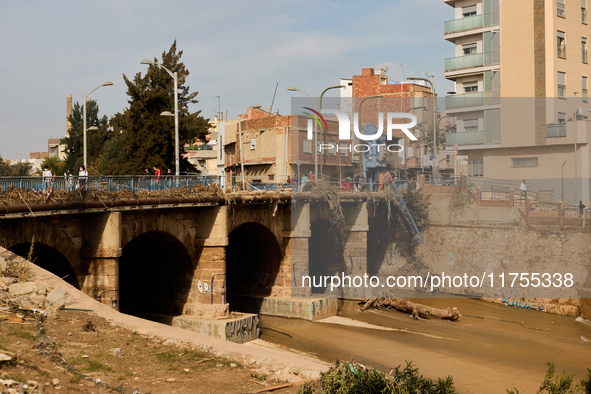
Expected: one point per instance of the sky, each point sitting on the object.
(241, 51)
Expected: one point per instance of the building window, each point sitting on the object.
(561, 44)
(470, 87)
(253, 144)
(584, 49)
(448, 159)
(475, 168)
(307, 146)
(560, 8)
(332, 151)
(584, 11)
(471, 125)
(469, 11)
(561, 85)
(469, 49)
(517, 162)
(561, 117)
(343, 149)
(410, 152)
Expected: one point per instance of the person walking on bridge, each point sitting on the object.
(524, 189)
(46, 177)
(82, 177)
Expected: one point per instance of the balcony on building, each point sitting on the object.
(555, 130)
(463, 62)
(463, 24)
(465, 138)
(474, 99)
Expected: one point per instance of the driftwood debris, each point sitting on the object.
(414, 309)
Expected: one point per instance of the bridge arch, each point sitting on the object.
(155, 275)
(53, 250)
(253, 266)
(271, 217)
(325, 253)
(135, 225)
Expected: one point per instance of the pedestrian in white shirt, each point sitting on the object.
(524, 189)
(82, 177)
(46, 177)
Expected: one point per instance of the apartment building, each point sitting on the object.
(413, 97)
(521, 77)
(272, 145)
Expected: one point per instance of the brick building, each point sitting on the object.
(271, 146)
(400, 97)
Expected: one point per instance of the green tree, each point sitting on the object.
(21, 169)
(147, 138)
(94, 139)
(5, 169)
(18, 169)
(54, 164)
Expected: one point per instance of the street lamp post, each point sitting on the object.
(240, 142)
(576, 197)
(405, 157)
(292, 89)
(363, 169)
(436, 167)
(174, 76)
(84, 129)
(319, 110)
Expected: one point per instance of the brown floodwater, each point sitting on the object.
(489, 349)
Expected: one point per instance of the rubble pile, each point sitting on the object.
(11, 196)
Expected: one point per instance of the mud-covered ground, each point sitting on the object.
(79, 348)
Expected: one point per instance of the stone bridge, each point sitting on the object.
(195, 257)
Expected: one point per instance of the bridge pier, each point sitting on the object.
(101, 248)
(355, 245)
(207, 296)
(299, 238)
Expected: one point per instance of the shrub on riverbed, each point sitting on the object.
(562, 384)
(353, 377)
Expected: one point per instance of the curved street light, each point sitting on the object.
(84, 129)
(322, 135)
(240, 142)
(174, 76)
(363, 169)
(405, 156)
(293, 89)
(435, 151)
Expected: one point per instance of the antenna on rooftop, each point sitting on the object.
(273, 101)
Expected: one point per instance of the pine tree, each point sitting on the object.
(146, 137)
(94, 139)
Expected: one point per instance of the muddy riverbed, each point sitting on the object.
(491, 348)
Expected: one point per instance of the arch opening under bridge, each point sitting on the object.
(253, 260)
(155, 276)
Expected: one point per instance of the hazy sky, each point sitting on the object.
(238, 50)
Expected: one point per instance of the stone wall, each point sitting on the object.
(496, 240)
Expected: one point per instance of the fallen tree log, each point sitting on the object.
(412, 308)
